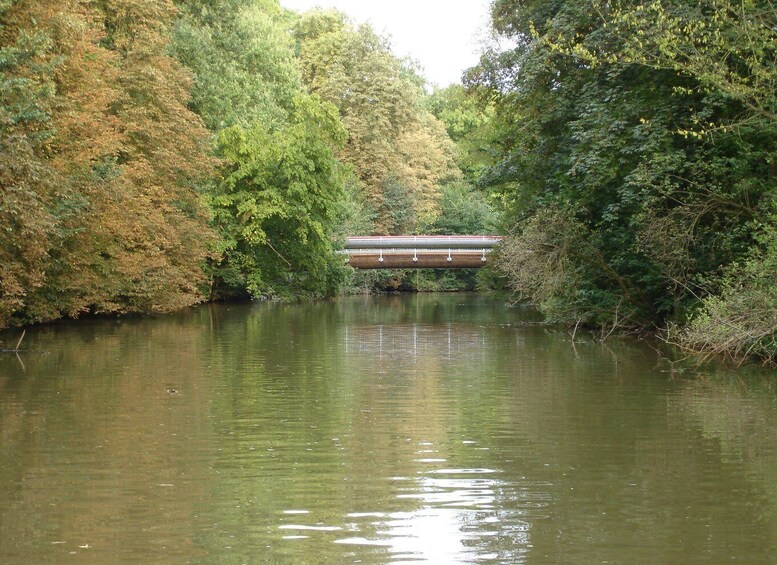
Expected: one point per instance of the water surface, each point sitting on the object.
(424, 428)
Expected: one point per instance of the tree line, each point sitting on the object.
(159, 153)
(155, 154)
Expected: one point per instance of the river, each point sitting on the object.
(388, 429)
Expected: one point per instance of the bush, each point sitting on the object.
(740, 322)
(554, 263)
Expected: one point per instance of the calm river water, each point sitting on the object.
(419, 428)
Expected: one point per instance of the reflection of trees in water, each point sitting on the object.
(369, 398)
(740, 416)
(92, 442)
(738, 422)
(386, 420)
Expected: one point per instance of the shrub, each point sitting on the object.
(740, 322)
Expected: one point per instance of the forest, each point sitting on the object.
(157, 154)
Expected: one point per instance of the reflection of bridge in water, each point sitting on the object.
(407, 343)
(420, 251)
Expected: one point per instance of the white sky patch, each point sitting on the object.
(444, 36)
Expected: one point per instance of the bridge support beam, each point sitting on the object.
(411, 260)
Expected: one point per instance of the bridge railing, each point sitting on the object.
(422, 242)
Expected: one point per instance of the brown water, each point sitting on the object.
(430, 428)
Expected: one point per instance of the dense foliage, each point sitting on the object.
(638, 160)
(469, 122)
(399, 152)
(156, 153)
(280, 188)
(100, 156)
(278, 201)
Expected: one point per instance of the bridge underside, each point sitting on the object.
(409, 259)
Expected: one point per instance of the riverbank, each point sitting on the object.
(401, 283)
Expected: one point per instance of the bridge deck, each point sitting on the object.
(407, 259)
(420, 252)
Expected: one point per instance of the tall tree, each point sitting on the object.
(469, 122)
(65, 56)
(165, 237)
(728, 47)
(280, 185)
(398, 150)
(103, 155)
(242, 57)
(83, 138)
(279, 200)
(28, 185)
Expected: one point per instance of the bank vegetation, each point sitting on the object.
(637, 161)
(156, 153)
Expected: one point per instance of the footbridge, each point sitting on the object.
(420, 251)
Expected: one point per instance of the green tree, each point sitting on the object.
(242, 58)
(279, 199)
(606, 168)
(469, 122)
(730, 48)
(393, 143)
(465, 211)
(279, 191)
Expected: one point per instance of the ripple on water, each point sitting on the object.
(430, 428)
